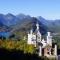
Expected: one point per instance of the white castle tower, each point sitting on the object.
(44, 43)
(33, 38)
(38, 33)
(30, 37)
(55, 50)
(49, 39)
(38, 37)
(40, 50)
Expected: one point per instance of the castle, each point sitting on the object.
(45, 46)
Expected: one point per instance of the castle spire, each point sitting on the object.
(31, 31)
(37, 25)
(49, 38)
(38, 32)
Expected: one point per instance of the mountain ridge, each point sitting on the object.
(21, 20)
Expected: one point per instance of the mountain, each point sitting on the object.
(28, 23)
(10, 19)
(21, 22)
(44, 21)
(22, 16)
(52, 25)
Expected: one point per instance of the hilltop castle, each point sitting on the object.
(45, 46)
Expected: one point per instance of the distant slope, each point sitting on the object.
(52, 25)
(23, 22)
(27, 24)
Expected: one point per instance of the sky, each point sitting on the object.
(49, 9)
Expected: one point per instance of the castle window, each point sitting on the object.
(47, 52)
(49, 49)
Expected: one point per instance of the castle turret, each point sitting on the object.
(55, 50)
(31, 31)
(38, 33)
(37, 25)
(40, 49)
(30, 37)
(44, 43)
(49, 39)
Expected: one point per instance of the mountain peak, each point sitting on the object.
(40, 17)
(9, 14)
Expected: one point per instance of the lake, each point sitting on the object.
(5, 34)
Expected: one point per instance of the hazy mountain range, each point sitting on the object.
(10, 22)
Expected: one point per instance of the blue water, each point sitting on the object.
(5, 34)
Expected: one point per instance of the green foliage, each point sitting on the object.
(57, 40)
(29, 49)
(22, 45)
(18, 45)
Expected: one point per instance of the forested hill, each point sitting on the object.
(21, 22)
